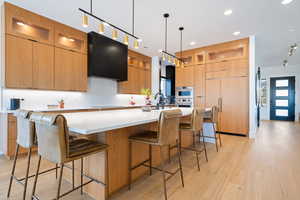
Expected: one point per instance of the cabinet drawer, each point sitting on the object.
(25, 24)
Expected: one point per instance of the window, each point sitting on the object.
(282, 83)
(282, 103)
(282, 113)
(282, 93)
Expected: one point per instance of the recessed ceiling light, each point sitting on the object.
(192, 43)
(236, 33)
(228, 12)
(285, 2)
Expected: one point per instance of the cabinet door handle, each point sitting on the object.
(220, 102)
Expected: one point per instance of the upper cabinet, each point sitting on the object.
(43, 54)
(22, 23)
(234, 50)
(139, 74)
(69, 38)
(188, 57)
(200, 57)
(19, 62)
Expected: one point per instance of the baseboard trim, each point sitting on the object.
(235, 134)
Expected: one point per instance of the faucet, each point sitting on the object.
(161, 100)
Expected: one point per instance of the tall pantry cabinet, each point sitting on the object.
(220, 78)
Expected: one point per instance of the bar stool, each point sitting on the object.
(196, 128)
(55, 146)
(25, 139)
(168, 129)
(213, 118)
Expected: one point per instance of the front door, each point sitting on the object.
(282, 98)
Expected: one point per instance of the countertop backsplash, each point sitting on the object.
(101, 92)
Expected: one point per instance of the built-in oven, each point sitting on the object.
(184, 96)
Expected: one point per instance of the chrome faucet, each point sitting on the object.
(161, 100)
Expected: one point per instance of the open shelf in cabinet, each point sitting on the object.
(226, 54)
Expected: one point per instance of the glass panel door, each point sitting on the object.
(282, 98)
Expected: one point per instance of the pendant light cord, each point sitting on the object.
(166, 33)
(132, 17)
(91, 6)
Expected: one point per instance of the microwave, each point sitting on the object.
(184, 96)
(184, 92)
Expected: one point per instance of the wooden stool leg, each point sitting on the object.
(163, 173)
(81, 177)
(129, 164)
(204, 145)
(180, 137)
(27, 173)
(150, 159)
(220, 139)
(56, 170)
(13, 170)
(36, 176)
(73, 175)
(59, 181)
(180, 164)
(216, 139)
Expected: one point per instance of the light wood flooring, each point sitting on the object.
(267, 168)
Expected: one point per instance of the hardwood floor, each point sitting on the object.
(261, 169)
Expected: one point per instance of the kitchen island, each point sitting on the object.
(113, 128)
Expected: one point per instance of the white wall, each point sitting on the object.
(279, 71)
(252, 88)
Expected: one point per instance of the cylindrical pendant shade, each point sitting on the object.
(164, 57)
(115, 34)
(136, 44)
(126, 39)
(85, 21)
(101, 28)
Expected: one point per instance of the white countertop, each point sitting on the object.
(101, 121)
(46, 109)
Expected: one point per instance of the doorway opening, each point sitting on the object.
(282, 98)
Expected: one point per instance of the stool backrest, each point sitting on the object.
(168, 130)
(197, 119)
(25, 129)
(52, 135)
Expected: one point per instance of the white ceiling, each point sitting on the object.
(204, 22)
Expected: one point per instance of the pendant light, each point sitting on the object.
(126, 39)
(172, 59)
(136, 44)
(136, 41)
(85, 21)
(115, 29)
(115, 34)
(181, 30)
(101, 28)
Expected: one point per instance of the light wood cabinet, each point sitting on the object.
(184, 76)
(19, 62)
(199, 86)
(236, 68)
(231, 96)
(70, 38)
(28, 25)
(139, 74)
(43, 66)
(234, 105)
(70, 70)
(31, 62)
